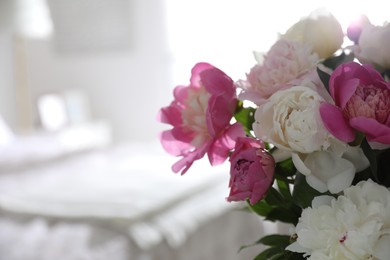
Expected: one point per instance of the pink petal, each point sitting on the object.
(181, 93)
(219, 113)
(170, 115)
(342, 73)
(336, 123)
(185, 163)
(217, 82)
(220, 149)
(240, 196)
(173, 146)
(375, 75)
(345, 91)
(196, 71)
(375, 131)
(259, 190)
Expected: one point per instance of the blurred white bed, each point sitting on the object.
(98, 201)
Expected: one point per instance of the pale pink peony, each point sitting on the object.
(362, 103)
(200, 116)
(251, 171)
(286, 64)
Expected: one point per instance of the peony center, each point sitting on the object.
(242, 168)
(370, 102)
(194, 115)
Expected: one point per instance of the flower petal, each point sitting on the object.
(328, 168)
(356, 156)
(336, 123)
(196, 71)
(171, 144)
(299, 164)
(188, 159)
(382, 249)
(218, 83)
(375, 131)
(216, 117)
(220, 149)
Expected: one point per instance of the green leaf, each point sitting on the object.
(285, 168)
(379, 163)
(274, 198)
(303, 194)
(334, 61)
(250, 245)
(245, 116)
(261, 208)
(284, 189)
(294, 256)
(384, 168)
(286, 215)
(277, 253)
(268, 253)
(324, 77)
(275, 240)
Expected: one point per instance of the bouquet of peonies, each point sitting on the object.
(307, 135)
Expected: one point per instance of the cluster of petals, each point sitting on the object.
(251, 171)
(286, 64)
(356, 225)
(200, 116)
(362, 104)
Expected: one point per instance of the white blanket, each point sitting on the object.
(131, 185)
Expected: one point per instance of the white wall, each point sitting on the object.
(126, 87)
(7, 94)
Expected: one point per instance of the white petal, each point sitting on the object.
(337, 173)
(299, 164)
(343, 179)
(378, 146)
(281, 155)
(316, 183)
(382, 249)
(295, 247)
(322, 200)
(357, 157)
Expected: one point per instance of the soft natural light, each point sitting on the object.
(52, 111)
(225, 32)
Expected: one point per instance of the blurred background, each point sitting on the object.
(118, 60)
(79, 77)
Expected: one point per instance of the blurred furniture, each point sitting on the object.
(117, 202)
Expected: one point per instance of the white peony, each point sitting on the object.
(331, 170)
(290, 120)
(356, 225)
(321, 30)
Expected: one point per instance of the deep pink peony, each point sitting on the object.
(362, 103)
(200, 116)
(251, 171)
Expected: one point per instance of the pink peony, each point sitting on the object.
(356, 27)
(200, 116)
(362, 103)
(286, 64)
(251, 171)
